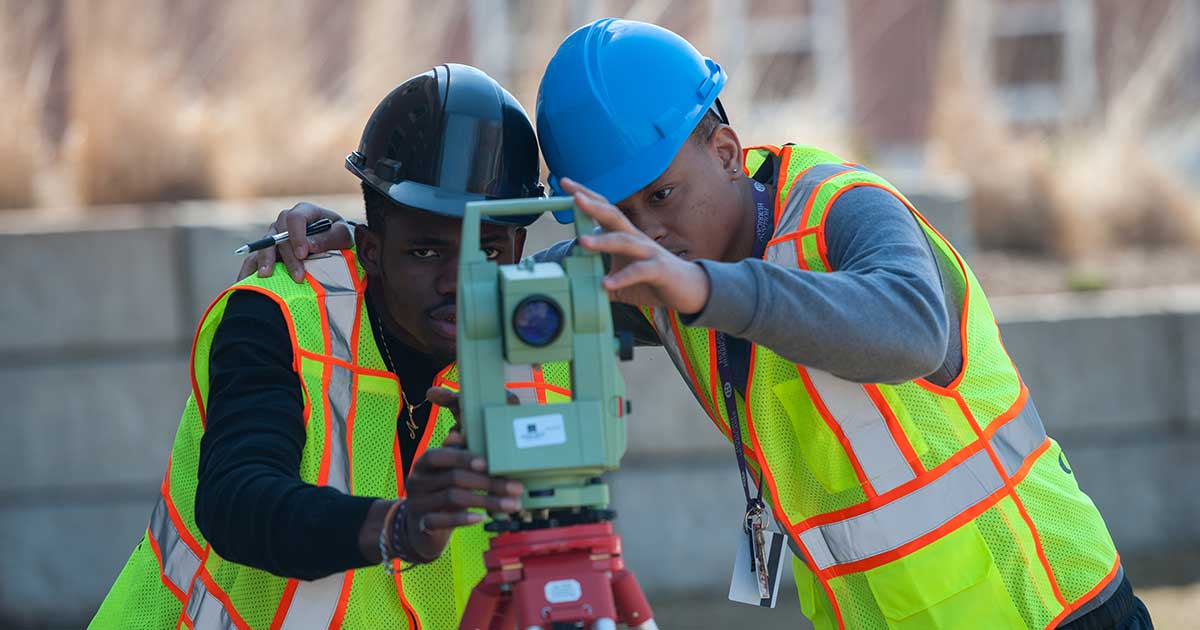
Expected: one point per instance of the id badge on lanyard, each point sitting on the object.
(758, 563)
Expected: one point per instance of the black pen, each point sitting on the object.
(316, 227)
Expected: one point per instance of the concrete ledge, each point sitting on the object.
(213, 267)
(1187, 383)
(67, 559)
(87, 289)
(680, 524)
(95, 423)
(666, 418)
(1090, 373)
(1145, 488)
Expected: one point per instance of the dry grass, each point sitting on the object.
(135, 127)
(22, 82)
(232, 100)
(272, 130)
(1088, 188)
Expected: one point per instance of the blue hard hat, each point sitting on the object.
(618, 100)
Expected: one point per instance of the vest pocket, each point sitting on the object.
(950, 583)
(823, 454)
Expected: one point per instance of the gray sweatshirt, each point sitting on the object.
(881, 315)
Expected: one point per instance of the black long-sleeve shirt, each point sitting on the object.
(250, 502)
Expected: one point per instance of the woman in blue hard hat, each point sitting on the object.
(840, 341)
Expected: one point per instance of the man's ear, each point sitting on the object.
(519, 244)
(724, 143)
(370, 249)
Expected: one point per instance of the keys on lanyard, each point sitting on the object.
(756, 525)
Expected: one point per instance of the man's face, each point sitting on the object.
(416, 264)
(694, 209)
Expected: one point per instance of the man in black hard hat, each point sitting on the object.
(309, 468)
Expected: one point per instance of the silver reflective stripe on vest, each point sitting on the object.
(179, 562)
(206, 611)
(785, 253)
(905, 519)
(341, 311)
(798, 196)
(340, 393)
(314, 603)
(521, 374)
(913, 515)
(341, 302)
(865, 429)
(1019, 437)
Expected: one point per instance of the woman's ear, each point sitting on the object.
(725, 144)
(370, 249)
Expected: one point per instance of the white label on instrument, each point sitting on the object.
(537, 431)
(560, 591)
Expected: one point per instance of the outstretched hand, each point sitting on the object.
(643, 272)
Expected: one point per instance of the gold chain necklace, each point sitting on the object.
(391, 366)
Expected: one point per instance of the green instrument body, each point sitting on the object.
(558, 451)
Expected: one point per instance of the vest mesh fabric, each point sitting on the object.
(1066, 520)
(138, 600)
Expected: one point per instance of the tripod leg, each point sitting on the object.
(505, 617)
(481, 607)
(632, 607)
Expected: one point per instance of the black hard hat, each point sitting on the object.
(446, 137)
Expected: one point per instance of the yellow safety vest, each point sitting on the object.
(351, 405)
(912, 505)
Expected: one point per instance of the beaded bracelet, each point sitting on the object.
(394, 543)
(385, 558)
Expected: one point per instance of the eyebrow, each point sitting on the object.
(428, 241)
(493, 238)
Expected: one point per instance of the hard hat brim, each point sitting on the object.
(432, 198)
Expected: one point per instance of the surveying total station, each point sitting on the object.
(556, 563)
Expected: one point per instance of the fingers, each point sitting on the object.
(443, 520)
(454, 439)
(434, 460)
(299, 245)
(635, 246)
(441, 396)
(467, 480)
(287, 249)
(264, 259)
(605, 213)
(447, 481)
(296, 223)
(458, 500)
(337, 238)
(652, 272)
(249, 264)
